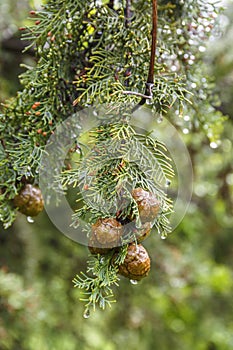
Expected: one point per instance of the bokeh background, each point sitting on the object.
(187, 300)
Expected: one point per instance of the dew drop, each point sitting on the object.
(149, 101)
(179, 31)
(30, 220)
(163, 237)
(185, 131)
(173, 68)
(160, 119)
(133, 282)
(86, 313)
(168, 183)
(213, 145)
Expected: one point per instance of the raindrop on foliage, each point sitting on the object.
(213, 145)
(86, 313)
(149, 101)
(168, 183)
(160, 119)
(185, 131)
(102, 260)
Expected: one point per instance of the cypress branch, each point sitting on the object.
(90, 54)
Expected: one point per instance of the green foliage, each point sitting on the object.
(171, 306)
(87, 54)
(98, 287)
(115, 166)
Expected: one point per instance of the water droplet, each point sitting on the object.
(149, 101)
(30, 220)
(133, 282)
(86, 313)
(163, 237)
(179, 31)
(185, 131)
(168, 183)
(173, 68)
(160, 119)
(213, 145)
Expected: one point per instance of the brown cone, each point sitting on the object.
(106, 234)
(29, 201)
(148, 204)
(136, 264)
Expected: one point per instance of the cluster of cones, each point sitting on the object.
(108, 234)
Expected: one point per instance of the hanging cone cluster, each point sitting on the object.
(107, 234)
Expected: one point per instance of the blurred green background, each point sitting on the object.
(186, 302)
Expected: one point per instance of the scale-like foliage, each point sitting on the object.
(99, 52)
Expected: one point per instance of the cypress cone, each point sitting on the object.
(105, 235)
(148, 204)
(136, 264)
(29, 200)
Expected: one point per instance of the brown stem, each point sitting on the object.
(127, 13)
(111, 4)
(3, 144)
(136, 94)
(150, 79)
